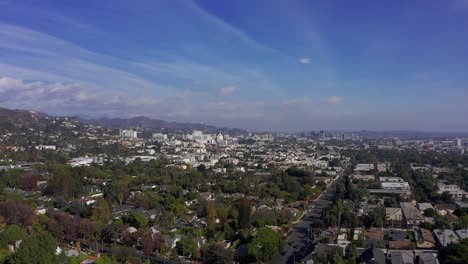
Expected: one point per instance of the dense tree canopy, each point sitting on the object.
(12, 234)
(214, 253)
(266, 244)
(39, 248)
(455, 253)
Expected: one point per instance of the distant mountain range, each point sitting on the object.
(17, 119)
(10, 119)
(155, 124)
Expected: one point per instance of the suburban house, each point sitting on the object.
(428, 258)
(425, 239)
(401, 257)
(443, 209)
(445, 237)
(372, 256)
(411, 215)
(400, 244)
(394, 214)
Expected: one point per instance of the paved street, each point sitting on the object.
(298, 241)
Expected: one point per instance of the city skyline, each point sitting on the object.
(276, 66)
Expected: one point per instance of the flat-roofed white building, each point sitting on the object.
(364, 167)
(403, 186)
(46, 147)
(454, 190)
(360, 177)
(391, 179)
(394, 183)
(383, 166)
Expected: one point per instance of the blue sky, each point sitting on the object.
(261, 65)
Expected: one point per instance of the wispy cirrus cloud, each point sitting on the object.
(232, 30)
(68, 79)
(36, 51)
(41, 56)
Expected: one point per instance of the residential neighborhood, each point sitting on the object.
(186, 196)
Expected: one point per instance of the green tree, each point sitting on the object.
(336, 256)
(101, 211)
(104, 259)
(217, 254)
(117, 190)
(245, 209)
(211, 214)
(137, 219)
(430, 212)
(454, 253)
(39, 248)
(63, 183)
(266, 244)
(351, 254)
(376, 218)
(263, 217)
(320, 257)
(441, 223)
(227, 230)
(463, 221)
(186, 246)
(123, 254)
(12, 234)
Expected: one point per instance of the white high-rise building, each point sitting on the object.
(197, 135)
(160, 137)
(219, 137)
(322, 135)
(459, 142)
(128, 134)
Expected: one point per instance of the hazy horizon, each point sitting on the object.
(263, 65)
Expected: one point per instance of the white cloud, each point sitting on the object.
(227, 90)
(16, 89)
(304, 60)
(69, 98)
(335, 100)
